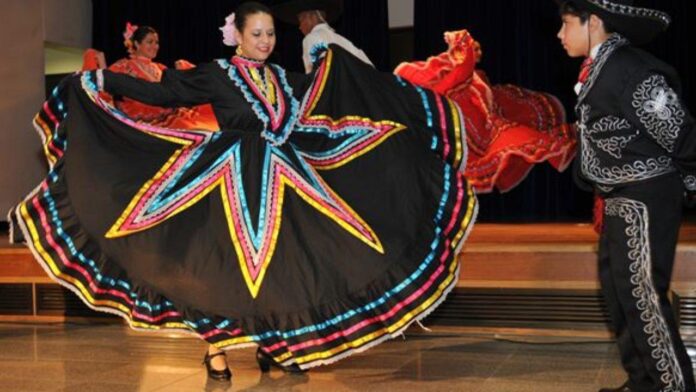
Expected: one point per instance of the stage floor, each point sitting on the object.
(110, 357)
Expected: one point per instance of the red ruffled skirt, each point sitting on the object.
(508, 128)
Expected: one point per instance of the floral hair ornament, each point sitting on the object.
(228, 31)
(128, 36)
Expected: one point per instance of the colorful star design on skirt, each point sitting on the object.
(169, 193)
(208, 162)
(350, 136)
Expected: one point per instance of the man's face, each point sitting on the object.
(307, 20)
(574, 36)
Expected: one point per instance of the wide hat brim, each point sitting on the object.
(639, 25)
(288, 11)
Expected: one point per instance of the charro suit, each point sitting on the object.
(637, 150)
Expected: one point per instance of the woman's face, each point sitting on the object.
(148, 47)
(258, 38)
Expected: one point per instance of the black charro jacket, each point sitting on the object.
(632, 124)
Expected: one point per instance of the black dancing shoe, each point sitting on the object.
(265, 362)
(219, 375)
(623, 388)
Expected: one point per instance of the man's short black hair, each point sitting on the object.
(570, 7)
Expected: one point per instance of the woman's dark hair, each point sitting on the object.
(138, 36)
(142, 32)
(247, 9)
(569, 7)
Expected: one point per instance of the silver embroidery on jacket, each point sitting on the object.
(605, 189)
(690, 183)
(659, 110)
(612, 175)
(614, 144)
(635, 214)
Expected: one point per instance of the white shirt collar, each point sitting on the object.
(321, 26)
(595, 50)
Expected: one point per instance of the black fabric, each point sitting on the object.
(367, 243)
(306, 236)
(207, 83)
(671, 124)
(633, 123)
(636, 256)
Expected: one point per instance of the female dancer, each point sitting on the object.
(324, 218)
(142, 44)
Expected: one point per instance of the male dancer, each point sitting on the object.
(637, 150)
(313, 17)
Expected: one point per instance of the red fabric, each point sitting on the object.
(509, 128)
(585, 70)
(91, 60)
(598, 214)
(183, 65)
(199, 117)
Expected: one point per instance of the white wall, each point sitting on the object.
(68, 22)
(26, 24)
(400, 13)
(21, 95)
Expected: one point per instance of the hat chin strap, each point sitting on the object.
(589, 37)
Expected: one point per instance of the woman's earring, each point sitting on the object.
(239, 51)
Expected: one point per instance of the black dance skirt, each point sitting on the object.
(320, 247)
